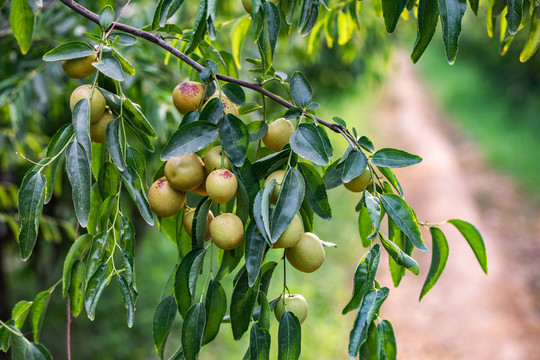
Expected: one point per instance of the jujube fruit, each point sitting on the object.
(308, 255)
(164, 199)
(185, 172)
(227, 231)
(187, 96)
(97, 101)
(359, 183)
(221, 186)
(294, 303)
(98, 129)
(81, 67)
(278, 134)
(278, 175)
(292, 234)
(212, 160)
(188, 223)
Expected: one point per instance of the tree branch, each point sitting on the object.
(158, 40)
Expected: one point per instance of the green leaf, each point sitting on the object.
(389, 175)
(257, 129)
(124, 39)
(19, 312)
(396, 236)
(370, 349)
(428, 17)
(108, 180)
(135, 117)
(95, 287)
(106, 17)
(315, 191)
(289, 337)
(363, 278)
(242, 304)
(308, 144)
(212, 113)
(199, 27)
(162, 323)
(110, 67)
(332, 175)
(79, 175)
(473, 237)
(355, 164)
(533, 39)
(229, 262)
(238, 34)
(261, 210)
(56, 146)
(235, 93)
(234, 136)
(374, 209)
(30, 203)
(81, 125)
(254, 252)
(5, 336)
(513, 15)
(300, 89)
(186, 279)
(37, 351)
(127, 244)
(129, 296)
(387, 340)
(76, 288)
(288, 203)
(371, 304)
(438, 259)
(164, 10)
(124, 62)
(404, 217)
(392, 10)
(199, 222)
(22, 23)
(68, 51)
(259, 343)
(268, 37)
(190, 138)
(136, 190)
(96, 253)
(452, 12)
(309, 14)
(364, 227)
(37, 312)
(394, 158)
(192, 331)
(216, 307)
(399, 256)
(76, 252)
(264, 312)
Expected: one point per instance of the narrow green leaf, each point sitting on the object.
(192, 330)
(96, 253)
(95, 287)
(289, 337)
(288, 203)
(374, 209)
(259, 343)
(234, 136)
(22, 21)
(56, 146)
(199, 27)
(110, 67)
(116, 143)
(164, 10)
(404, 217)
(190, 138)
(68, 51)
(30, 203)
(315, 191)
(268, 37)
(364, 227)
(135, 117)
(513, 15)
(533, 39)
(396, 236)
(300, 89)
(371, 304)
(363, 278)
(254, 252)
(216, 307)
(76, 252)
(79, 175)
(354, 165)
(438, 259)
(309, 14)
(162, 323)
(108, 180)
(308, 144)
(20, 312)
(242, 304)
(129, 296)
(474, 238)
(106, 17)
(37, 312)
(399, 256)
(392, 10)
(387, 340)
(393, 158)
(76, 288)
(127, 244)
(264, 312)
(261, 210)
(136, 190)
(199, 223)
(186, 279)
(389, 175)
(428, 17)
(451, 12)
(370, 349)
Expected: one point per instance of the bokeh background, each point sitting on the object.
(476, 124)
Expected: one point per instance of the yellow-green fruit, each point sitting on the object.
(228, 106)
(292, 234)
(294, 303)
(247, 6)
(164, 200)
(81, 67)
(188, 223)
(185, 172)
(212, 160)
(308, 255)
(97, 101)
(227, 231)
(221, 186)
(98, 129)
(278, 134)
(359, 183)
(278, 175)
(201, 190)
(187, 96)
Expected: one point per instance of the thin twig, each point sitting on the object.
(68, 329)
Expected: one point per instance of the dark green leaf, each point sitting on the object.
(108, 180)
(307, 215)
(192, 330)
(300, 89)
(288, 203)
(396, 236)
(262, 166)
(389, 174)
(76, 288)
(129, 296)
(404, 217)
(393, 158)
(212, 112)
(162, 323)
(75, 253)
(135, 117)
(267, 270)
(235, 93)
(399, 256)
(94, 289)
(428, 17)
(106, 17)
(242, 304)
(474, 6)
(473, 237)
(37, 312)
(68, 51)
(30, 203)
(96, 253)
(268, 37)
(307, 143)
(56, 146)
(264, 311)
(309, 14)
(136, 190)
(354, 165)
(5, 337)
(186, 279)
(216, 307)
(190, 138)
(392, 10)
(363, 278)
(438, 259)
(332, 175)
(22, 23)
(387, 340)
(37, 351)
(315, 191)
(374, 209)
(452, 12)
(164, 10)
(199, 223)
(127, 244)
(370, 349)
(371, 304)
(259, 343)
(78, 171)
(513, 15)
(254, 250)
(199, 27)
(261, 210)
(234, 136)
(289, 337)
(229, 262)
(256, 130)
(111, 67)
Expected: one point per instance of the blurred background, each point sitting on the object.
(476, 124)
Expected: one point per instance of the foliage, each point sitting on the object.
(107, 179)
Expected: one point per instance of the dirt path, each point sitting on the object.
(467, 315)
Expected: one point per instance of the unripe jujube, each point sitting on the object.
(221, 186)
(185, 172)
(359, 183)
(98, 129)
(212, 160)
(278, 134)
(294, 303)
(187, 96)
(97, 101)
(164, 199)
(308, 255)
(278, 175)
(81, 67)
(227, 231)
(292, 234)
